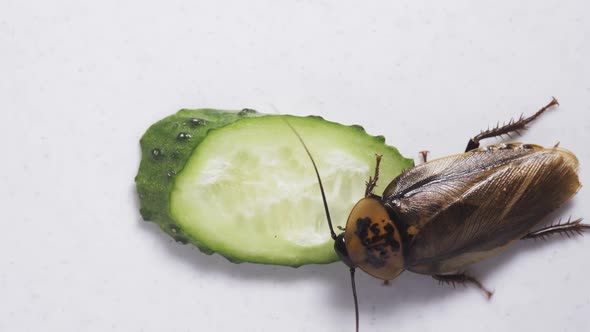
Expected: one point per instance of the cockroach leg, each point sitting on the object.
(462, 279)
(508, 128)
(372, 183)
(569, 229)
(424, 155)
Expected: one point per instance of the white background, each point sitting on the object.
(80, 81)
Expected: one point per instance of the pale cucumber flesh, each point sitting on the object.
(249, 193)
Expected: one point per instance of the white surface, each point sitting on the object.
(80, 82)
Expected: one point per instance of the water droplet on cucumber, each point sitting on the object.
(182, 137)
(246, 112)
(156, 153)
(195, 122)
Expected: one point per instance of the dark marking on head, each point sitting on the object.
(374, 229)
(374, 260)
(362, 229)
(379, 243)
(527, 146)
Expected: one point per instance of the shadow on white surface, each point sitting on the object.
(410, 291)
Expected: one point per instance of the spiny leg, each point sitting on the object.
(372, 183)
(462, 279)
(424, 155)
(569, 228)
(511, 127)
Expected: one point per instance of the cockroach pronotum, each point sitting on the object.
(446, 214)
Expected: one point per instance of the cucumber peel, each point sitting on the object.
(240, 183)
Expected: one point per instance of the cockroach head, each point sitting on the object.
(372, 241)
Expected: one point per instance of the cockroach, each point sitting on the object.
(440, 217)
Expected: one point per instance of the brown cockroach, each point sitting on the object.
(440, 217)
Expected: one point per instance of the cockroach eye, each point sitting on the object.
(340, 248)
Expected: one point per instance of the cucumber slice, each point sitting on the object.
(240, 184)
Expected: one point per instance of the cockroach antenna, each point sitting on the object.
(317, 173)
(332, 233)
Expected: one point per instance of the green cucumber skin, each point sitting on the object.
(166, 148)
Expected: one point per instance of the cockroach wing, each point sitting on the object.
(468, 207)
(424, 191)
